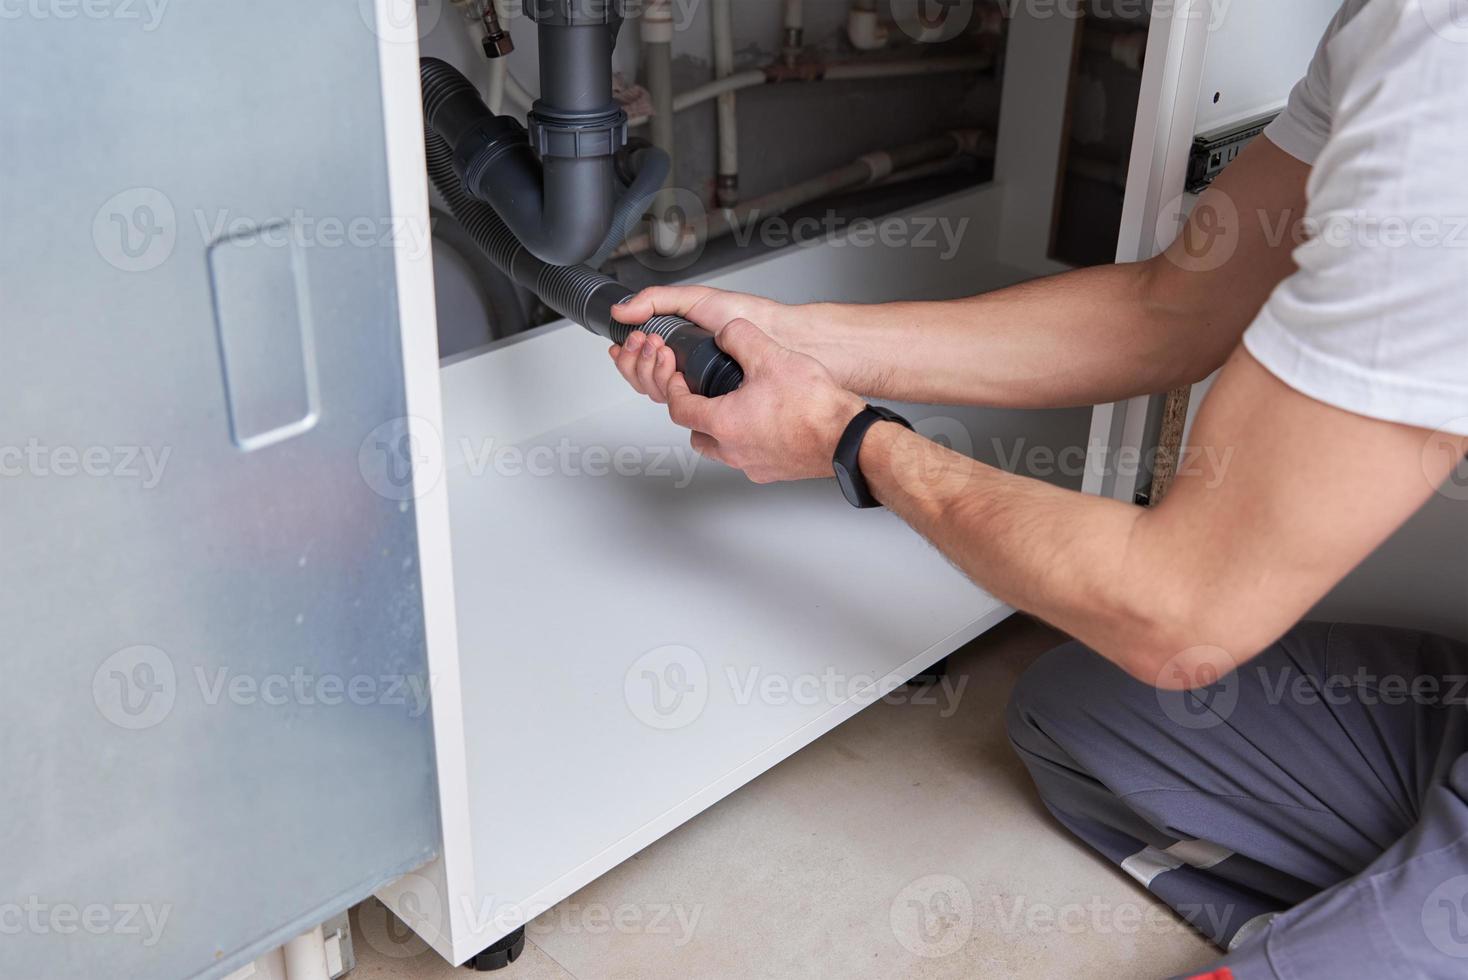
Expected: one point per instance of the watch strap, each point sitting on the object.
(847, 461)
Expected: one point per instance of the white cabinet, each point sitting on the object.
(620, 634)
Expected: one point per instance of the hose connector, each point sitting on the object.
(497, 41)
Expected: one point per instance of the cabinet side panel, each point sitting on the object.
(223, 736)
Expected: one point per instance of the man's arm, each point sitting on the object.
(1081, 338)
(1183, 593)
(1177, 595)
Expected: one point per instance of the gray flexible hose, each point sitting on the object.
(651, 166)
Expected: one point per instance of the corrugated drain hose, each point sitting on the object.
(576, 292)
(651, 167)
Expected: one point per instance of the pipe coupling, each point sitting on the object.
(557, 133)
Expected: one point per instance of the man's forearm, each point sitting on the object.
(1081, 338)
(1088, 336)
(1186, 591)
(1052, 552)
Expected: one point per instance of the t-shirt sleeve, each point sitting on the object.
(1303, 127)
(1375, 320)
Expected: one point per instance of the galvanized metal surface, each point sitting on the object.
(217, 732)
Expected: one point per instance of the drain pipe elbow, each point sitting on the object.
(554, 184)
(576, 213)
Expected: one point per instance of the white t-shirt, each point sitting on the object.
(1376, 319)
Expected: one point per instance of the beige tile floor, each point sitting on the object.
(906, 843)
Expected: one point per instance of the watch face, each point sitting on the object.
(848, 488)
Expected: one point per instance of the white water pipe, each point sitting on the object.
(657, 50)
(305, 957)
(727, 185)
(883, 167)
(794, 39)
(712, 90)
(863, 29)
(845, 71)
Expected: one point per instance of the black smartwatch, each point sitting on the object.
(848, 454)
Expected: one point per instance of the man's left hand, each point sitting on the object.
(783, 424)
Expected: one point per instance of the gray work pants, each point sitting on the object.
(1308, 813)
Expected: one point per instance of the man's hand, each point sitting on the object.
(649, 367)
(783, 424)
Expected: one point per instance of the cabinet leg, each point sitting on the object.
(501, 954)
(930, 676)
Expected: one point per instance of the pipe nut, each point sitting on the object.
(498, 45)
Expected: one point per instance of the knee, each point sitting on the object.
(1070, 689)
(1044, 694)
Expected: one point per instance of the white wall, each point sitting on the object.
(1418, 578)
